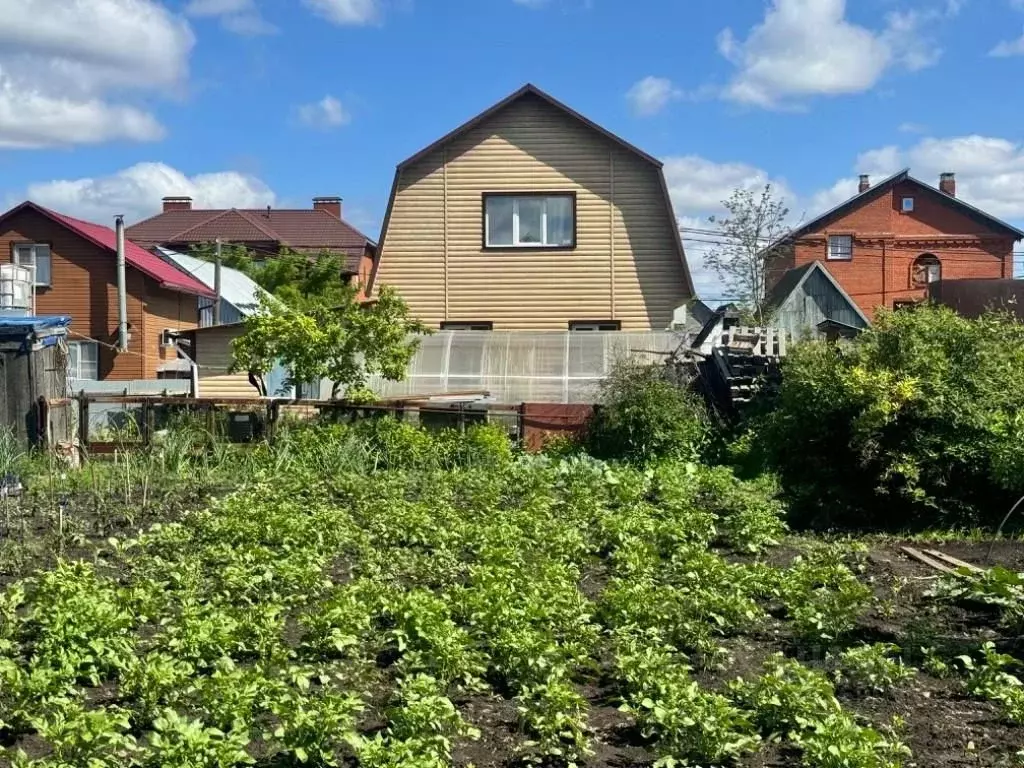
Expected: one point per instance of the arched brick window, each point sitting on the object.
(926, 269)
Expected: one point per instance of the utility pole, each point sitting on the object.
(216, 284)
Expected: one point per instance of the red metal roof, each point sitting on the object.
(136, 256)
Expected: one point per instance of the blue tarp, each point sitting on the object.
(16, 327)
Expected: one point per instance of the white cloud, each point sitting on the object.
(1009, 48)
(531, 3)
(137, 191)
(347, 12)
(241, 17)
(324, 114)
(883, 161)
(651, 95)
(912, 128)
(59, 70)
(806, 48)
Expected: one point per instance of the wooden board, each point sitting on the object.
(929, 561)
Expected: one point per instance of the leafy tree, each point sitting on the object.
(916, 424)
(330, 335)
(742, 262)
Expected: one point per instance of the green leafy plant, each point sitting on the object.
(876, 667)
(989, 679)
(837, 741)
(177, 742)
(555, 716)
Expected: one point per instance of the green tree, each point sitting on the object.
(330, 335)
(743, 260)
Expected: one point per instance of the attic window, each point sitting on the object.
(907, 205)
(840, 247)
(529, 220)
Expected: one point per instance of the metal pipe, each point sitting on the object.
(216, 284)
(122, 290)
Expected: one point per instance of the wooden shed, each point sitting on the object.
(807, 297)
(34, 368)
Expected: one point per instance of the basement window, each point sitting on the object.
(529, 220)
(36, 256)
(595, 325)
(840, 247)
(464, 325)
(907, 204)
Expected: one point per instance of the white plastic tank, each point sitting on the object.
(16, 295)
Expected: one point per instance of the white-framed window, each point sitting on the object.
(594, 325)
(472, 325)
(840, 247)
(35, 255)
(167, 337)
(907, 204)
(529, 221)
(84, 360)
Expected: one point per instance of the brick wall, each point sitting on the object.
(887, 241)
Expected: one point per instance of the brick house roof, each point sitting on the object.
(298, 229)
(135, 256)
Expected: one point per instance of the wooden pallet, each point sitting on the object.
(757, 342)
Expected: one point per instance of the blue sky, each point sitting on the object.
(107, 105)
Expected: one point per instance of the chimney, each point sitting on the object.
(177, 204)
(865, 183)
(330, 204)
(947, 183)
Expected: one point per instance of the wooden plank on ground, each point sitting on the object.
(952, 560)
(929, 561)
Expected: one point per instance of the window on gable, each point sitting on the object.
(529, 221)
(907, 204)
(595, 325)
(840, 247)
(84, 360)
(36, 256)
(926, 269)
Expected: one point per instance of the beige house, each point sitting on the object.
(532, 217)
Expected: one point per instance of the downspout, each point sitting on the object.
(883, 272)
(122, 290)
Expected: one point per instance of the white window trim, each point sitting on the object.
(16, 258)
(830, 257)
(76, 372)
(544, 198)
(904, 207)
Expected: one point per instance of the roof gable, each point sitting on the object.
(885, 186)
(531, 91)
(136, 256)
(794, 279)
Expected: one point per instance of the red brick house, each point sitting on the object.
(266, 231)
(888, 242)
(76, 275)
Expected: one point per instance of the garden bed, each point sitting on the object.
(529, 611)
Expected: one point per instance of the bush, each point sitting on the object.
(643, 415)
(917, 424)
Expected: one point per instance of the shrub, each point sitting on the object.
(917, 423)
(643, 415)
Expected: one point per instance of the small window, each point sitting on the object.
(840, 247)
(84, 360)
(907, 204)
(595, 325)
(529, 221)
(36, 256)
(472, 325)
(168, 338)
(927, 269)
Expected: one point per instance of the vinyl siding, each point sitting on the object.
(432, 251)
(165, 310)
(213, 354)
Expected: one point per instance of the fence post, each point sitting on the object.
(83, 421)
(42, 422)
(521, 426)
(147, 423)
